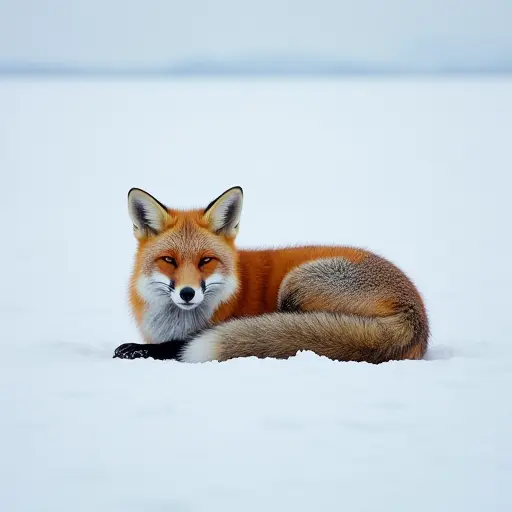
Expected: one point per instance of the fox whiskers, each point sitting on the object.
(162, 289)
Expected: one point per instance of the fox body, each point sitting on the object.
(196, 298)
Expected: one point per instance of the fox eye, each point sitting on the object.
(204, 261)
(170, 260)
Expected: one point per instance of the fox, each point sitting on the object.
(196, 297)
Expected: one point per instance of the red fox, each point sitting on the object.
(196, 298)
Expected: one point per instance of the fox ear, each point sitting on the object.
(147, 213)
(223, 214)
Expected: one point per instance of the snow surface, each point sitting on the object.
(418, 171)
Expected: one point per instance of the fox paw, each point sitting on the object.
(132, 351)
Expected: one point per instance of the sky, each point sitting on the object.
(406, 34)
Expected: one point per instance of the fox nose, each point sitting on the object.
(187, 294)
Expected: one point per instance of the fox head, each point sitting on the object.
(185, 266)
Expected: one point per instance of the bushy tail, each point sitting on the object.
(338, 336)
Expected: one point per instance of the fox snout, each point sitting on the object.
(187, 294)
(188, 297)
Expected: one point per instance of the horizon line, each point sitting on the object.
(246, 70)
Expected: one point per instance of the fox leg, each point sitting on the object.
(371, 288)
(166, 350)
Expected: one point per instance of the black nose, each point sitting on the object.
(187, 294)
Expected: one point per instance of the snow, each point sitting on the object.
(416, 170)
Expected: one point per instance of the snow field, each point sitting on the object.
(417, 171)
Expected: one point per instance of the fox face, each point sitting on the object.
(185, 265)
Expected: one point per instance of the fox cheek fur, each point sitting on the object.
(341, 302)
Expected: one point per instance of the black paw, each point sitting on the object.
(132, 351)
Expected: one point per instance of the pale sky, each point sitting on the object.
(407, 33)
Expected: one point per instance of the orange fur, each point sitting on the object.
(262, 271)
(382, 313)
